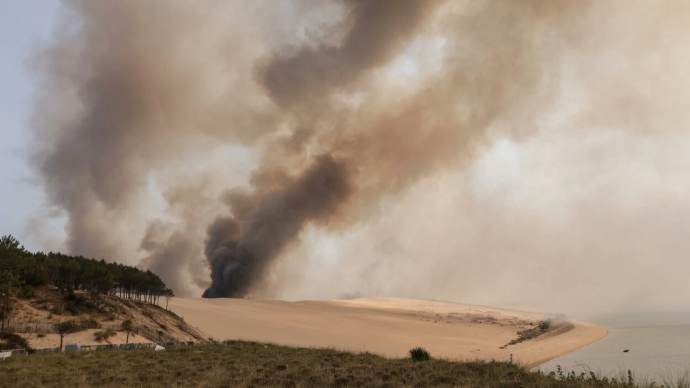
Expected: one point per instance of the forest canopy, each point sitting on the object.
(21, 271)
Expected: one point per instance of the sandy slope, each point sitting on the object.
(83, 337)
(389, 326)
(155, 323)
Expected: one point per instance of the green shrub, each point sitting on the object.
(13, 341)
(72, 308)
(26, 292)
(76, 298)
(419, 354)
(77, 304)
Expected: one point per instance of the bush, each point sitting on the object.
(72, 308)
(13, 341)
(26, 292)
(105, 334)
(76, 298)
(544, 325)
(76, 304)
(89, 323)
(58, 310)
(419, 354)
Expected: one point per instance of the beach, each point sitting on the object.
(387, 326)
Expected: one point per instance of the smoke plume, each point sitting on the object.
(310, 148)
(377, 31)
(239, 255)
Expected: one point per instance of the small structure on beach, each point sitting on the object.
(73, 347)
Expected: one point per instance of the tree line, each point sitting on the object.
(21, 271)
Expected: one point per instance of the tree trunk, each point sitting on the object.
(127, 341)
(61, 337)
(4, 314)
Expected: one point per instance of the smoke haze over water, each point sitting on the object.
(527, 153)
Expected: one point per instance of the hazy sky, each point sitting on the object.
(573, 194)
(23, 25)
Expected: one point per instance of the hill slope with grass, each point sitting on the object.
(92, 300)
(246, 364)
(96, 319)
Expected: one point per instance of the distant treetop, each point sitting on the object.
(20, 269)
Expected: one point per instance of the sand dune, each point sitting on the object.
(387, 326)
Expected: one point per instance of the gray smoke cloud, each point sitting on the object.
(208, 145)
(240, 254)
(297, 78)
(376, 32)
(127, 102)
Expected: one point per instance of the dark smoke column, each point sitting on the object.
(239, 251)
(300, 79)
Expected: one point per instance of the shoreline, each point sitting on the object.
(386, 326)
(583, 334)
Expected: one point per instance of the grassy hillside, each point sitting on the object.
(40, 290)
(244, 364)
(34, 316)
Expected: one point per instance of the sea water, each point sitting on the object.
(657, 344)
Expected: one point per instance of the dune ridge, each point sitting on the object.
(387, 326)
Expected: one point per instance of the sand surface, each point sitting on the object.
(82, 337)
(387, 326)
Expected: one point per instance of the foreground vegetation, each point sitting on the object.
(246, 364)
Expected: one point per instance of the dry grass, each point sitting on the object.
(245, 364)
(50, 306)
(104, 335)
